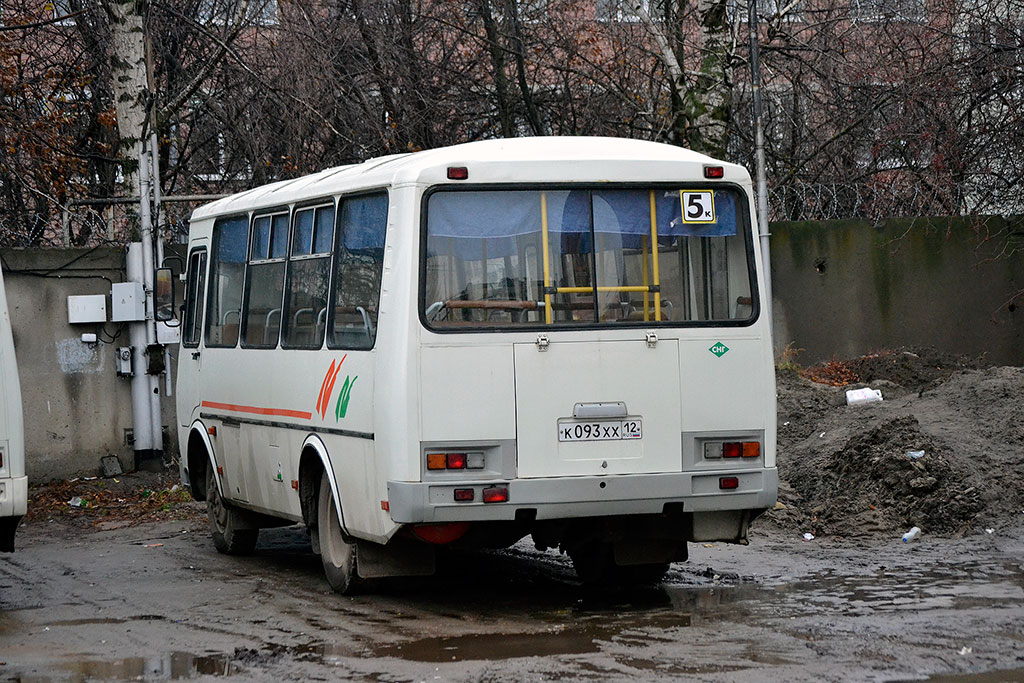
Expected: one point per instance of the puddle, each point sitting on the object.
(491, 646)
(1010, 676)
(173, 666)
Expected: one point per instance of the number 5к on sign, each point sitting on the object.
(698, 206)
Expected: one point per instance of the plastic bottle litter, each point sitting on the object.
(912, 534)
(808, 537)
(76, 502)
(914, 455)
(865, 395)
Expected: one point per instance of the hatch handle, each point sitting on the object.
(593, 411)
(542, 342)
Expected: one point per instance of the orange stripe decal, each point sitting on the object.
(277, 412)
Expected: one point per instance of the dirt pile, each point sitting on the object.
(132, 498)
(943, 451)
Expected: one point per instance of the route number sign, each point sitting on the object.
(698, 206)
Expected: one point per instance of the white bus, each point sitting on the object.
(13, 482)
(555, 337)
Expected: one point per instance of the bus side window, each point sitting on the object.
(195, 286)
(227, 270)
(362, 224)
(261, 319)
(309, 269)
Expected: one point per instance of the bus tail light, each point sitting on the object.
(728, 483)
(458, 173)
(732, 449)
(463, 495)
(455, 461)
(496, 494)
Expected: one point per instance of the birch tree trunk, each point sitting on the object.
(130, 83)
(714, 83)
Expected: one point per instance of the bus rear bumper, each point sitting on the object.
(13, 496)
(573, 497)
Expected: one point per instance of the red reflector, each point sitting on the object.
(458, 173)
(463, 495)
(295, 484)
(714, 172)
(732, 450)
(751, 449)
(728, 482)
(440, 533)
(212, 431)
(456, 461)
(496, 495)
(385, 506)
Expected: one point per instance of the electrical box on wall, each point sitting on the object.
(124, 361)
(128, 302)
(87, 308)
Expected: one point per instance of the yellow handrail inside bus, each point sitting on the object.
(654, 259)
(610, 288)
(547, 267)
(643, 268)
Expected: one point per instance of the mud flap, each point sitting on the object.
(728, 526)
(400, 557)
(649, 551)
(8, 525)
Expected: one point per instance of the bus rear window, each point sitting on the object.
(509, 258)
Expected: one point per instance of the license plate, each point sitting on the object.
(599, 430)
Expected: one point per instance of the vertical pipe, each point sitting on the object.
(762, 181)
(142, 424)
(644, 269)
(148, 266)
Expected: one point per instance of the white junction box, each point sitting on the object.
(87, 308)
(128, 302)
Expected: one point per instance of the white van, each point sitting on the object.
(555, 337)
(13, 482)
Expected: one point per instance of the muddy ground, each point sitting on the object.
(127, 586)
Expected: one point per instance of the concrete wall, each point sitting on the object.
(846, 288)
(841, 289)
(76, 407)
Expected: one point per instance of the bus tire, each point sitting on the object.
(228, 538)
(340, 558)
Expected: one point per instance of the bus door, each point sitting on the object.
(190, 360)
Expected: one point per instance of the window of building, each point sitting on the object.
(309, 272)
(887, 10)
(227, 273)
(362, 225)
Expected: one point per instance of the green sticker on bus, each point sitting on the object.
(719, 349)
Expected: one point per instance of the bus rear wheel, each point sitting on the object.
(224, 522)
(340, 558)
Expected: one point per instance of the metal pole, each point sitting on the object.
(142, 423)
(146, 219)
(762, 181)
(155, 151)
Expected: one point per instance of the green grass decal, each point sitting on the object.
(343, 396)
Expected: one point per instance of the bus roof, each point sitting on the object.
(561, 152)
